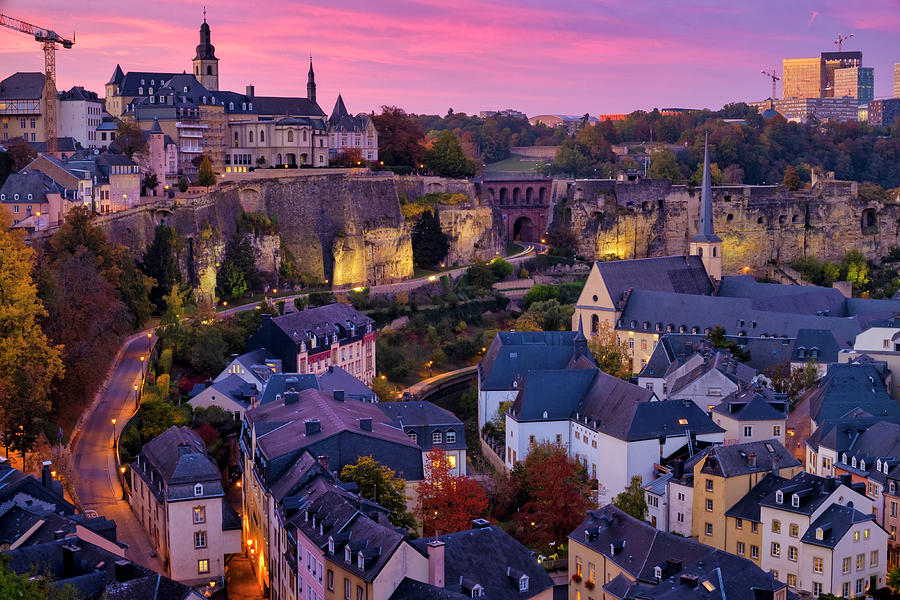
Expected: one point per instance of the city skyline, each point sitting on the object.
(427, 57)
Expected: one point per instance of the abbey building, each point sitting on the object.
(236, 130)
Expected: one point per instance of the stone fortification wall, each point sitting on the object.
(757, 224)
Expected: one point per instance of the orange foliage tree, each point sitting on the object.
(447, 502)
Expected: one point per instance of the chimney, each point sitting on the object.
(184, 448)
(313, 426)
(59, 534)
(69, 553)
(250, 92)
(46, 477)
(480, 524)
(338, 395)
(365, 424)
(436, 563)
(323, 460)
(751, 459)
(291, 398)
(124, 571)
(678, 469)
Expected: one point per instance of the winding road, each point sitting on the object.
(96, 479)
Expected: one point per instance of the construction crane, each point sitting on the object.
(841, 38)
(49, 39)
(774, 77)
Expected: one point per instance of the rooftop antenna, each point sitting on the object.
(841, 38)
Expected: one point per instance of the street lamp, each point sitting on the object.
(149, 343)
(137, 397)
(114, 431)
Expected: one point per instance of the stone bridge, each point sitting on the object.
(523, 201)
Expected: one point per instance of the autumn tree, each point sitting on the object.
(786, 380)
(548, 315)
(664, 165)
(348, 157)
(631, 499)
(380, 484)
(612, 355)
(29, 363)
(129, 140)
(791, 179)
(429, 243)
(447, 502)
(400, 137)
(206, 175)
(20, 153)
(552, 492)
(446, 157)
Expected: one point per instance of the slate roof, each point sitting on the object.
(98, 573)
(20, 516)
(658, 486)
(816, 344)
(753, 404)
(337, 378)
(341, 119)
(812, 491)
(638, 548)
(32, 182)
(179, 458)
(558, 393)
(847, 387)
(839, 435)
(117, 76)
(706, 312)
(411, 589)
(22, 86)
(512, 354)
(63, 144)
(671, 274)
(280, 383)
(231, 387)
(835, 522)
(878, 446)
(16, 486)
(491, 558)
(735, 459)
(424, 418)
(748, 507)
(777, 297)
(715, 360)
(676, 347)
(130, 83)
(335, 429)
(705, 232)
(274, 106)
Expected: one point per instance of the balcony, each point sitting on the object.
(194, 124)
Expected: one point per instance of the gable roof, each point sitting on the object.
(16, 486)
(23, 86)
(321, 321)
(179, 459)
(816, 344)
(715, 360)
(671, 274)
(735, 460)
(748, 507)
(488, 556)
(512, 354)
(834, 522)
(753, 404)
(274, 106)
(847, 387)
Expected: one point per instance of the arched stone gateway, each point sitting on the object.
(523, 229)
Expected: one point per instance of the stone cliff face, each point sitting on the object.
(344, 230)
(757, 224)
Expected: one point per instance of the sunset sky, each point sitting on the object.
(566, 56)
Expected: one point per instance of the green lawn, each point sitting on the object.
(515, 162)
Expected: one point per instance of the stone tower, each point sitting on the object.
(206, 65)
(311, 83)
(157, 147)
(706, 244)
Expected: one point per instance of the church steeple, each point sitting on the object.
(206, 65)
(706, 244)
(311, 83)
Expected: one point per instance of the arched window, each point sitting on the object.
(197, 70)
(290, 135)
(250, 136)
(235, 139)
(209, 69)
(198, 489)
(304, 135)
(231, 106)
(595, 323)
(700, 251)
(262, 136)
(715, 251)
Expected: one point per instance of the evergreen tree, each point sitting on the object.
(429, 243)
(206, 176)
(238, 273)
(28, 362)
(161, 264)
(446, 157)
(664, 165)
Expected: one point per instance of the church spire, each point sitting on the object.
(311, 83)
(705, 232)
(206, 65)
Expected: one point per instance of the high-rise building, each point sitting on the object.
(883, 113)
(897, 80)
(856, 82)
(803, 78)
(831, 62)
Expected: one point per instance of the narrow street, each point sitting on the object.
(96, 478)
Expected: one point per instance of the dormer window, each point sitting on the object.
(412, 435)
(523, 583)
(853, 462)
(862, 465)
(878, 464)
(437, 437)
(795, 500)
(140, 91)
(185, 90)
(779, 497)
(142, 82)
(451, 437)
(360, 561)
(819, 533)
(892, 487)
(243, 106)
(330, 545)
(231, 106)
(150, 91)
(30, 196)
(198, 489)
(347, 554)
(657, 572)
(203, 99)
(250, 105)
(844, 458)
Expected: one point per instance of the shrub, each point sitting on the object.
(321, 298)
(164, 364)
(300, 302)
(501, 268)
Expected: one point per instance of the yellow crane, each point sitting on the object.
(49, 39)
(774, 77)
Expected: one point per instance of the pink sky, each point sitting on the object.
(567, 56)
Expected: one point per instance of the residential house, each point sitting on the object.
(868, 459)
(656, 495)
(512, 354)
(23, 106)
(254, 367)
(348, 132)
(707, 378)
(723, 476)
(433, 428)
(614, 555)
(824, 446)
(46, 492)
(817, 346)
(881, 335)
(311, 340)
(232, 394)
(790, 515)
(614, 428)
(79, 114)
(743, 523)
(891, 516)
(177, 494)
(751, 415)
(849, 387)
(35, 201)
(482, 562)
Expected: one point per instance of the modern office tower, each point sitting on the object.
(831, 62)
(897, 80)
(803, 77)
(856, 82)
